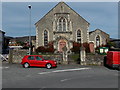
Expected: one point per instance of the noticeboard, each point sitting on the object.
(103, 50)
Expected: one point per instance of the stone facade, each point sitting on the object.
(63, 26)
(98, 37)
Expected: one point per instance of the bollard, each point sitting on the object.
(82, 55)
(10, 56)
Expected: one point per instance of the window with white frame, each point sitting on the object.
(79, 36)
(62, 24)
(98, 41)
(45, 38)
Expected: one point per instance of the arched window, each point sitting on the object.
(98, 41)
(62, 24)
(45, 38)
(79, 36)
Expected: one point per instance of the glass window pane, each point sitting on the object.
(60, 24)
(38, 58)
(97, 41)
(45, 37)
(31, 58)
(64, 25)
(79, 36)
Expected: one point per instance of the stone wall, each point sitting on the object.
(15, 56)
(57, 58)
(91, 59)
(94, 59)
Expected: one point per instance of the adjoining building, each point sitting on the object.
(63, 26)
(116, 43)
(21, 42)
(98, 37)
(18, 41)
(2, 35)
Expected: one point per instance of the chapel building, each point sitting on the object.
(63, 26)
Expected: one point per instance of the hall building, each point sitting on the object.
(63, 26)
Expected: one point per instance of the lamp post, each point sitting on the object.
(30, 44)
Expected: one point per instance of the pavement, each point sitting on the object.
(64, 76)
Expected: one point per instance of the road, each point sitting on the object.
(64, 76)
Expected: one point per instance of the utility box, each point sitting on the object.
(103, 50)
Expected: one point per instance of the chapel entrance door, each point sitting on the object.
(62, 43)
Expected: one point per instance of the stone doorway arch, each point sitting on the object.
(62, 43)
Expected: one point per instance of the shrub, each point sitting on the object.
(40, 49)
(76, 47)
(46, 49)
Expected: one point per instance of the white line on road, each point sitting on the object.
(65, 70)
(3, 67)
(45, 73)
(64, 80)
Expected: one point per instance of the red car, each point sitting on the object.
(37, 60)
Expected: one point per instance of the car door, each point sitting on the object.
(39, 61)
(32, 60)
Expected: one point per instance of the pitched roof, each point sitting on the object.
(67, 6)
(2, 31)
(96, 30)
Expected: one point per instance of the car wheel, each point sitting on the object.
(48, 66)
(118, 68)
(26, 65)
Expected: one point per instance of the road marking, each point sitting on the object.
(3, 67)
(64, 80)
(45, 73)
(65, 70)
